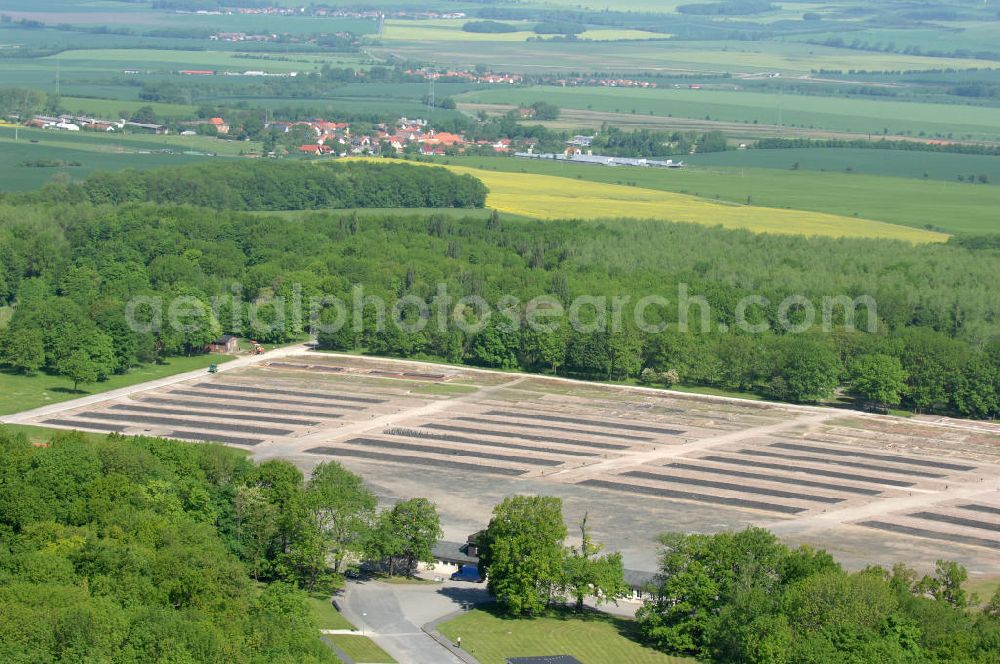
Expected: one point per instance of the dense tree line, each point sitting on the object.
(728, 8)
(880, 144)
(746, 598)
(70, 269)
(248, 185)
(651, 143)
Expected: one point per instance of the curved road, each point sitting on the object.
(392, 614)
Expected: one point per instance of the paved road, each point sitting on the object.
(392, 614)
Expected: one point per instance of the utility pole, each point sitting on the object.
(781, 99)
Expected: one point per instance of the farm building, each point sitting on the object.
(227, 344)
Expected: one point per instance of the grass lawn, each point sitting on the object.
(19, 392)
(984, 588)
(44, 434)
(326, 615)
(361, 649)
(591, 638)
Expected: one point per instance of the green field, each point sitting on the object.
(361, 649)
(951, 206)
(111, 109)
(86, 62)
(98, 152)
(897, 163)
(832, 113)
(19, 392)
(593, 638)
(789, 58)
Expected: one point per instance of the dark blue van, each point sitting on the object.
(468, 573)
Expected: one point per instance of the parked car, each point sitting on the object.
(468, 573)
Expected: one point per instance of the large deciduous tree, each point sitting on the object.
(342, 508)
(879, 379)
(522, 554)
(23, 349)
(406, 535)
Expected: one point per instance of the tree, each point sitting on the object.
(946, 584)
(255, 524)
(588, 574)
(496, 345)
(977, 388)
(879, 379)
(23, 348)
(545, 345)
(342, 508)
(144, 115)
(80, 368)
(805, 370)
(406, 535)
(521, 553)
(701, 575)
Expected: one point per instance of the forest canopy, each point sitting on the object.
(130, 550)
(71, 269)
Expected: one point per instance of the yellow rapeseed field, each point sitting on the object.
(551, 197)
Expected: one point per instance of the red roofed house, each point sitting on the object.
(220, 125)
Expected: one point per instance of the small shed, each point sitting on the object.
(227, 344)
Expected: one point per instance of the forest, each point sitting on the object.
(71, 268)
(144, 549)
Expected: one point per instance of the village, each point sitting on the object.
(330, 138)
(325, 137)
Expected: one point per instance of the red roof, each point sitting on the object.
(217, 121)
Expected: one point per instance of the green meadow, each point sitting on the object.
(83, 153)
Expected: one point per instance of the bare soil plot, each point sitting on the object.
(250, 415)
(415, 460)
